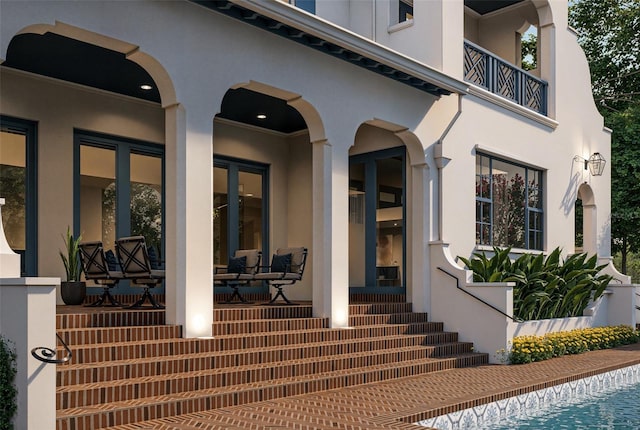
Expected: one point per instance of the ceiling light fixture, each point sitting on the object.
(146, 87)
(261, 116)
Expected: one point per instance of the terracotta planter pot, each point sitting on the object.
(73, 293)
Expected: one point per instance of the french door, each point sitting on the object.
(18, 178)
(118, 190)
(377, 222)
(240, 208)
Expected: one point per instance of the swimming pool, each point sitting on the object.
(607, 401)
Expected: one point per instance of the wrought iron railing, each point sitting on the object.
(514, 319)
(504, 79)
(48, 355)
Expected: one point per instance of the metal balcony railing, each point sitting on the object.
(504, 79)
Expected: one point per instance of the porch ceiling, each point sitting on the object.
(487, 6)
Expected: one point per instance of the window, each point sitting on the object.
(509, 210)
(18, 188)
(306, 5)
(405, 10)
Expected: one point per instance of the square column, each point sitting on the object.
(189, 229)
(330, 253)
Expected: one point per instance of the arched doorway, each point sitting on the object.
(585, 221)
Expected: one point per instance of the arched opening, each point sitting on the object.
(585, 221)
(381, 235)
(262, 182)
(102, 126)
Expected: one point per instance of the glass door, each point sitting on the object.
(377, 222)
(240, 216)
(18, 188)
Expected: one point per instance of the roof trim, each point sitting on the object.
(297, 25)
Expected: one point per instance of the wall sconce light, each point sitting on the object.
(595, 163)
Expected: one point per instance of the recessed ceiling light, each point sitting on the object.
(261, 116)
(146, 87)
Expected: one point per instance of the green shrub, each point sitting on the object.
(8, 392)
(545, 287)
(527, 349)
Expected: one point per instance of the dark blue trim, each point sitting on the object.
(29, 129)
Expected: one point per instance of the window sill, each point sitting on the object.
(400, 26)
(489, 248)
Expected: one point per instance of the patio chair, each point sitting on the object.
(241, 270)
(287, 267)
(136, 266)
(96, 268)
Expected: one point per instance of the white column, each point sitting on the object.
(330, 234)
(28, 319)
(419, 285)
(189, 231)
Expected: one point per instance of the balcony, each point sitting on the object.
(494, 74)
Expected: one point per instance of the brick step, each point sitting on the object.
(116, 318)
(397, 318)
(224, 351)
(107, 415)
(261, 312)
(93, 335)
(149, 386)
(245, 327)
(70, 374)
(380, 308)
(284, 336)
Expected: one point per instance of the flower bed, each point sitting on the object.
(526, 349)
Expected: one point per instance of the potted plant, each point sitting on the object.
(73, 291)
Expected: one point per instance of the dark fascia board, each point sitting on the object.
(297, 25)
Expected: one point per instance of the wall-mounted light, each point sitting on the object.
(595, 163)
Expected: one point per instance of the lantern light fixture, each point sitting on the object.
(595, 163)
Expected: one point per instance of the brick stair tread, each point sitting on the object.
(243, 368)
(151, 332)
(217, 352)
(156, 400)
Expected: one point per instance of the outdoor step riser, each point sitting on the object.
(110, 319)
(374, 330)
(197, 403)
(380, 308)
(214, 375)
(118, 334)
(405, 318)
(236, 357)
(259, 312)
(112, 370)
(267, 326)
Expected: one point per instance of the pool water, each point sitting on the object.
(619, 409)
(610, 400)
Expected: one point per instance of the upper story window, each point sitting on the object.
(509, 204)
(405, 10)
(306, 5)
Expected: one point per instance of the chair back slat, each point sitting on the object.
(93, 260)
(132, 253)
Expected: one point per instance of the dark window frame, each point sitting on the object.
(29, 129)
(533, 237)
